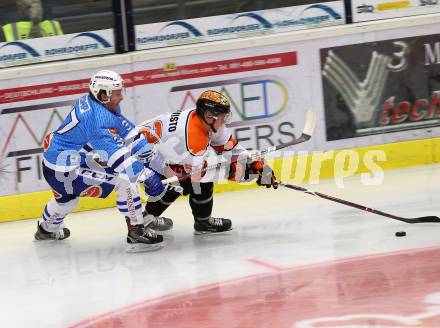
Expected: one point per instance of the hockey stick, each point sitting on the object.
(305, 136)
(309, 126)
(422, 219)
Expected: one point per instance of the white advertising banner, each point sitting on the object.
(58, 47)
(367, 10)
(260, 22)
(267, 88)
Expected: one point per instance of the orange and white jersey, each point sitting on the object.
(182, 140)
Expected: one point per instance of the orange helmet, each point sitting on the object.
(212, 101)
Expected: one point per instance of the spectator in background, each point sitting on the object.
(30, 23)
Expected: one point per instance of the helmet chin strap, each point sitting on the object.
(108, 98)
(212, 127)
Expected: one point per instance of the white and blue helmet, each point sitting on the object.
(105, 80)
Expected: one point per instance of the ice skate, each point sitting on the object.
(60, 234)
(141, 239)
(159, 224)
(211, 225)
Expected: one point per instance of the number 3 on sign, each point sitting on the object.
(399, 55)
(69, 126)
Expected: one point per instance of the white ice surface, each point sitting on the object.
(57, 284)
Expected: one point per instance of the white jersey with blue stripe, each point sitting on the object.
(91, 127)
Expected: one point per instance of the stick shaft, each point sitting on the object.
(361, 207)
(301, 139)
(309, 126)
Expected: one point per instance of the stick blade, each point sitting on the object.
(429, 218)
(309, 126)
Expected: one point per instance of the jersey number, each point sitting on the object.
(69, 126)
(154, 134)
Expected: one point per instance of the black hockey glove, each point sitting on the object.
(240, 172)
(266, 176)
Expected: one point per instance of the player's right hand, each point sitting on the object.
(264, 173)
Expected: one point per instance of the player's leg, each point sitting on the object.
(67, 187)
(157, 205)
(128, 201)
(51, 225)
(201, 201)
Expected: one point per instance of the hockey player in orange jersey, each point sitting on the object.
(187, 138)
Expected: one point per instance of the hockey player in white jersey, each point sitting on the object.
(95, 150)
(188, 136)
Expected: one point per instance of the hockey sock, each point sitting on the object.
(55, 212)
